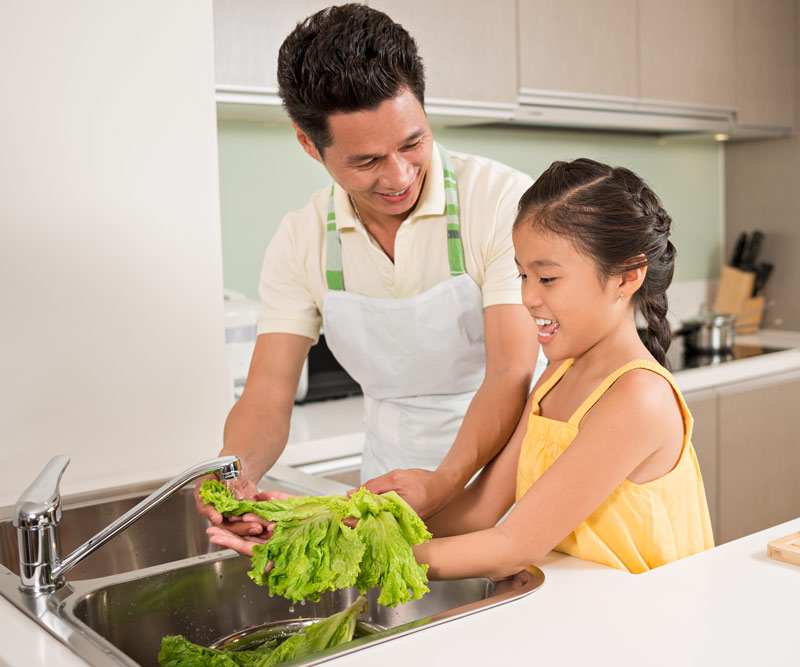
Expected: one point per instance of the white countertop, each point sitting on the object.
(730, 603)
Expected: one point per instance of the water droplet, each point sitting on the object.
(291, 609)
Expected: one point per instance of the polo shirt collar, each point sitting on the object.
(431, 199)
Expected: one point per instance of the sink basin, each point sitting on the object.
(210, 600)
(161, 576)
(172, 531)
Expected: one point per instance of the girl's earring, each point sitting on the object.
(621, 296)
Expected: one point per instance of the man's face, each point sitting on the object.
(379, 157)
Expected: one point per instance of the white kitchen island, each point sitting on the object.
(730, 605)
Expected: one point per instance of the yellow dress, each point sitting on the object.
(639, 526)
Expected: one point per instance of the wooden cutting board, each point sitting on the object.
(786, 549)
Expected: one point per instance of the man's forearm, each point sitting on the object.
(488, 424)
(256, 433)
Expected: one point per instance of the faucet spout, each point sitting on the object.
(38, 511)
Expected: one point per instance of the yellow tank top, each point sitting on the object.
(639, 526)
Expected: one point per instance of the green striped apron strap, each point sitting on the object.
(333, 255)
(455, 249)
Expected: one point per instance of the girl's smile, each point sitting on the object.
(573, 307)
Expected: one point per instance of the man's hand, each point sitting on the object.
(422, 489)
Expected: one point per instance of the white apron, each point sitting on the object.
(419, 360)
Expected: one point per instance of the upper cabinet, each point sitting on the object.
(716, 66)
(579, 46)
(687, 51)
(468, 46)
(247, 36)
(765, 62)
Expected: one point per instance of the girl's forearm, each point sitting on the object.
(486, 553)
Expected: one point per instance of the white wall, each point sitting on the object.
(111, 337)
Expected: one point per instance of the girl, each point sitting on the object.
(601, 466)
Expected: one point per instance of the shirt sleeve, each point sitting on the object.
(501, 284)
(287, 301)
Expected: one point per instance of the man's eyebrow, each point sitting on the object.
(366, 157)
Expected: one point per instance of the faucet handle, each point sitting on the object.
(40, 504)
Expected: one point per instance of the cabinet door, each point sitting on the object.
(703, 406)
(759, 454)
(579, 46)
(468, 46)
(687, 51)
(248, 34)
(765, 62)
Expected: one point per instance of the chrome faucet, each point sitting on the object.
(37, 515)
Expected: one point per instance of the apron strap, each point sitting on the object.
(455, 248)
(333, 255)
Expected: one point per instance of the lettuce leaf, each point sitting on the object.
(176, 651)
(313, 551)
(312, 555)
(334, 630)
(389, 562)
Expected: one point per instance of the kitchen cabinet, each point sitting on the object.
(765, 62)
(759, 454)
(687, 51)
(749, 452)
(247, 36)
(468, 46)
(579, 46)
(705, 438)
(686, 66)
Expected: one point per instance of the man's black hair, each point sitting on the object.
(343, 59)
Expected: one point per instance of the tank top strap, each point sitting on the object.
(548, 384)
(653, 366)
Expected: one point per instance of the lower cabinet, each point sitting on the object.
(747, 438)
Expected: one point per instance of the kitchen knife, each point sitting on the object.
(738, 250)
(751, 251)
(763, 272)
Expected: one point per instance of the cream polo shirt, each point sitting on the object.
(293, 284)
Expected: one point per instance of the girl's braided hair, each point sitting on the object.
(613, 217)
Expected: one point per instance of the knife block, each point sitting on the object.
(735, 287)
(752, 311)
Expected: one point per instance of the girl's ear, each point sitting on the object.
(632, 279)
(307, 144)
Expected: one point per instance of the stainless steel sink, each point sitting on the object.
(172, 531)
(161, 577)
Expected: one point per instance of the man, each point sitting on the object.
(407, 263)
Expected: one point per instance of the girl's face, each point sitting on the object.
(573, 307)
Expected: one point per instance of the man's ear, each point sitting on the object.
(307, 144)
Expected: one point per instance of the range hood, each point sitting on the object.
(574, 110)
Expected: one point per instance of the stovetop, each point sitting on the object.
(683, 360)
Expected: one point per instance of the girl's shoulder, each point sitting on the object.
(642, 390)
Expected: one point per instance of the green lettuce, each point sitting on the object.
(177, 651)
(313, 551)
(334, 630)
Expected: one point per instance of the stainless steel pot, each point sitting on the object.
(710, 332)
